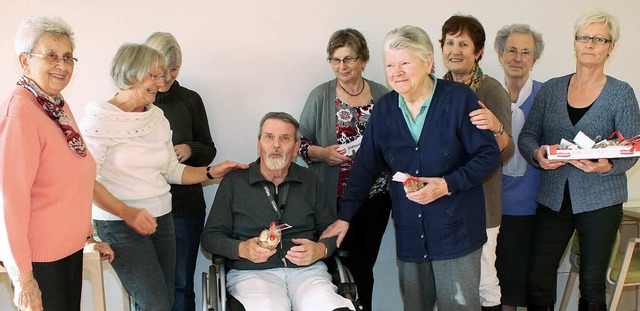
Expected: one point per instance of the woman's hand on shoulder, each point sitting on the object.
(593, 166)
(484, 119)
(221, 169)
(540, 155)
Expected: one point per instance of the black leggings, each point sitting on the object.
(60, 282)
(553, 230)
(362, 242)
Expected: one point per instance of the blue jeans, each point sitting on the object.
(188, 229)
(144, 264)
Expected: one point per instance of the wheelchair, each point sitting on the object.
(215, 297)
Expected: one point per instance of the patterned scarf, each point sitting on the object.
(473, 81)
(53, 108)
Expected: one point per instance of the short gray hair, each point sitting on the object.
(166, 44)
(413, 39)
(282, 116)
(599, 16)
(132, 63)
(31, 29)
(503, 34)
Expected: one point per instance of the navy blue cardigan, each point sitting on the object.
(450, 147)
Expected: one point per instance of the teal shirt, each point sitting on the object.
(415, 126)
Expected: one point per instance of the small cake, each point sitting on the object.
(412, 184)
(270, 238)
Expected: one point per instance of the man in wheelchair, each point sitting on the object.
(274, 190)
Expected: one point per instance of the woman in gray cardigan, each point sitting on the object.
(336, 114)
(581, 195)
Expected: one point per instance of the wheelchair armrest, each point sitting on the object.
(341, 253)
(218, 260)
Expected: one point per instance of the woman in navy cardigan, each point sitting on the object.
(422, 128)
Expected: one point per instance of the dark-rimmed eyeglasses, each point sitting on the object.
(53, 58)
(596, 40)
(347, 60)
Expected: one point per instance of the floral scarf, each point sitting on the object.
(473, 81)
(53, 108)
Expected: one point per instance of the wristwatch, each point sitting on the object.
(500, 131)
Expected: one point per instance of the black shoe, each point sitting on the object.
(494, 308)
(591, 306)
(540, 308)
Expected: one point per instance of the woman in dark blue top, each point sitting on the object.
(422, 128)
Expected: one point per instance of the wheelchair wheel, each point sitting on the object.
(213, 289)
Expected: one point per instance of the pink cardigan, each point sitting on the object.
(46, 188)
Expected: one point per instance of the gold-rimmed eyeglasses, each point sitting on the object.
(53, 58)
(596, 40)
(512, 52)
(347, 60)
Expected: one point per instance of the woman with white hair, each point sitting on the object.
(46, 174)
(518, 48)
(585, 196)
(422, 128)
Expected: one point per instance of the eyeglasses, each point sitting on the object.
(53, 58)
(156, 77)
(512, 52)
(596, 40)
(347, 60)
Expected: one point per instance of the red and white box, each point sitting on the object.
(553, 153)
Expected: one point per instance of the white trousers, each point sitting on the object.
(285, 289)
(489, 285)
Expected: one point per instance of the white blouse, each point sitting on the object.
(134, 156)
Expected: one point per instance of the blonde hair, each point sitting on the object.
(599, 16)
(166, 44)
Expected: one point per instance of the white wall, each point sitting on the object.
(246, 58)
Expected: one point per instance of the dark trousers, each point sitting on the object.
(60, 282)
(188, 229)
(553, 230)
(363, 243)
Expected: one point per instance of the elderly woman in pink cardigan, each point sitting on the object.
(46, 175)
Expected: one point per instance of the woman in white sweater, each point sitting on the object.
(131, 141)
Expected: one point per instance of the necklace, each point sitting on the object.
(354, 95)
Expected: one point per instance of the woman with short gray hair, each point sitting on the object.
(422, 128)
(46, 174)
(131, 141)
(518, 48)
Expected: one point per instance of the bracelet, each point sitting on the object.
(208, 173)
(500, 131)
(326, 249)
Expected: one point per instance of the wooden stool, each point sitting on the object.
(93, 265)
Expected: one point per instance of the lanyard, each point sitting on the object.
(283, 198)
(283, 202)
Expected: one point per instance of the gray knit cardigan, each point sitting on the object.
(318, 124)
(616, 108)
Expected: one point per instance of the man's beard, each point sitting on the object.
(277, 163)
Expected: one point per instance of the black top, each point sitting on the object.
(189, 125)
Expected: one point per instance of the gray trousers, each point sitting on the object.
(452, 284)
